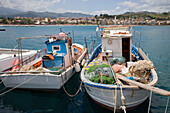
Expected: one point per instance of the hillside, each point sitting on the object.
(9, 11)
(144, 15)
(47, 14)
(151, 15)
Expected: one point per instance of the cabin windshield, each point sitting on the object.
(58, 37)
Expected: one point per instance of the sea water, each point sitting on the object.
(155, 41)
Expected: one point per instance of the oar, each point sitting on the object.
(146, 86)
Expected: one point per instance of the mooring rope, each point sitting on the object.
(4, 78)
(75, 93)
(122, 100)
(150, 98)
(167, 105)
(115, 97)
(70, 95)
(18, 85)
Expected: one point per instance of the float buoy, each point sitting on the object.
(77, 67)
(17, 61)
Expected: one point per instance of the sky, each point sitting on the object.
(94, 7)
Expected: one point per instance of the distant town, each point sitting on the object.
(102, 19)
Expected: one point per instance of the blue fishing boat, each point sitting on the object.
(52, 70)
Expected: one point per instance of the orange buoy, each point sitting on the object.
(45, 50)
(78, 48)
(38, 64)
(17, 61)
(50, 56)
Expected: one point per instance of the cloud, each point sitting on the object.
(33, 5)
(157, 2)
(64, 1)
(84, 0)
(142, 5)
(119, 8)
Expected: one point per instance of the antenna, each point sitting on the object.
(61, 29)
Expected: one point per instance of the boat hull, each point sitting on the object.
(106, 97)
(8, 57)
(38, 81)
(104, 94)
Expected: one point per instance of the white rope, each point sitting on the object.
(123, 108)
(166, 109)
(115, 99)
(79, 89)
(122, 100)
(18, 85)
(3, 79)
(150, 101)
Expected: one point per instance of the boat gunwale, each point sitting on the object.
(113, 87)
(38, 73)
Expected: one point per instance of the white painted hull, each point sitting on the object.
(104, 94)
(41, 81)
(106, 97)
(7, 60)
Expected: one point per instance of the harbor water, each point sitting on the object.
(155, 42)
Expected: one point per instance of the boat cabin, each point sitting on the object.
(58, 52)
(116, 41)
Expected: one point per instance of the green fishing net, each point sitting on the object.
(99, 72)
(57, 69)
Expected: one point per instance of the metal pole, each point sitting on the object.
(18, 52)
(69, 47)
(73, 36)
(85, 42)
(21, 53)
(92, 41)
(97, 37)
(86, 47)
(134, 38)
(139, 41)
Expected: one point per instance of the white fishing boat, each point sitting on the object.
(112, 64)
(9, 56)
(52, 70)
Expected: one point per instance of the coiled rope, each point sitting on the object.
(18, 85)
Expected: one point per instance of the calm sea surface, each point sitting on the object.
(155, 42)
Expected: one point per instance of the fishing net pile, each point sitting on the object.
(141, 69)
(99, 72)
(32, 68)
(117, 63)
(27, 68)
(57, 69)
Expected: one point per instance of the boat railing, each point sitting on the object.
(26, 61)
(36, 72)
(136, 39)
(91, 42)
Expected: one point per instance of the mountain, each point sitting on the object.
(47, 14)
(144, 12)
(9, 11)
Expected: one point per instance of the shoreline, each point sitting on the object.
(13, 25)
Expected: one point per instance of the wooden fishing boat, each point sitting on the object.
(9, 56)
(114, 58)
(52, 70)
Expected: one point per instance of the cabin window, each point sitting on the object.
(56, 48)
